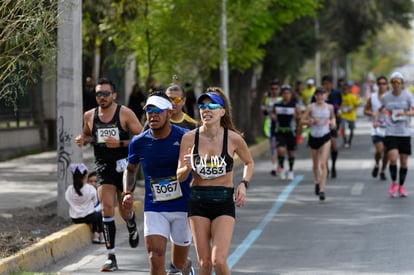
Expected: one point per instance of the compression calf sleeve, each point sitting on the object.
(403, 174)
(281, 161)
(334, 156)
(291, 163)
(109, 233)
(393, 172)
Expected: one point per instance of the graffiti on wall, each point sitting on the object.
(64, 143)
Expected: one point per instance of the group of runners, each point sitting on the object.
(188, 172)
(322, 114)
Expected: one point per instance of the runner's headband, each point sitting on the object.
(159, 102)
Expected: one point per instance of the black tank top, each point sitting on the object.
(214, 166)
(112, 128)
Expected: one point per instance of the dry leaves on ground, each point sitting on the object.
(19, 228)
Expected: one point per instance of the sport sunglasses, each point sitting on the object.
(103, 93)
(176, 99)
(151, 110)
(211, 106)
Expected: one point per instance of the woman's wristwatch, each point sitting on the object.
(246, 183)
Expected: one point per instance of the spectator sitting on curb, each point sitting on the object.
(82, 199)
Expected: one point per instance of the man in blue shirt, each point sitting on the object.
(166, 199)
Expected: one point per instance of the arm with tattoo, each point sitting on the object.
(129, 179)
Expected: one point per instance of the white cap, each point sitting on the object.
(159, 102)
(397, 75)
(310, 81)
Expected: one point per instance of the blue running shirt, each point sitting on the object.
(159, 160)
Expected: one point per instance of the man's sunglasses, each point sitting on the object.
(211, 106)
(151, 110)
(176, 99)
(396, 81)
(103, 93)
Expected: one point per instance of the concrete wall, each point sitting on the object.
(15, 141)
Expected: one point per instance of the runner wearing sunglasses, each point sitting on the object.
(108, 127)
(397, 106)
(207, 153)
(178, 99)
(378, 133)
(166, 198)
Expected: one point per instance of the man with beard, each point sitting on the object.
(166, 198)
(108, 128)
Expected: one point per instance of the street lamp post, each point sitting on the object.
(224, 67)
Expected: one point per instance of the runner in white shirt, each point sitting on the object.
(397, 105)
(378, 133)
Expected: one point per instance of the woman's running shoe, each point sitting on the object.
(402, 191)
(393, 190)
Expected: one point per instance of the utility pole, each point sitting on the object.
(224, 67)
(69, 94)
(317, 54)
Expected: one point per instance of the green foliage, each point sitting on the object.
(380, 55)
(348, 25)
(27, 41)
(182, 37)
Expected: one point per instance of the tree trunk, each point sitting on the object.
(240, 97)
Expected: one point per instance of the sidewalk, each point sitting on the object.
(31, 181)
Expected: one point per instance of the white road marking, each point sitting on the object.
(357, 189)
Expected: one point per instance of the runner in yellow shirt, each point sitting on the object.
(349, 103)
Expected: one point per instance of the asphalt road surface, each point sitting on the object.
(285, 229)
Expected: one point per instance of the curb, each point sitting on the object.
(55, 246)
(68, 240)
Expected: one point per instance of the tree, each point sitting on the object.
(182, 37)
(389, 49)
(348, 25)
(27, 42)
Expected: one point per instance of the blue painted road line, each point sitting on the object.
(255, 233)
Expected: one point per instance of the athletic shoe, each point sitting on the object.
(273, 172)
(279, 170)
(95, 238)
(191, 271)
(317, 189)
(283, 175)
(172, 270)
(402, 191)
(375, 172)
(110, 264)
(321, 196)
(346, 145)
(133, 237)
(290, 175)
(382, 176)
(393, 190)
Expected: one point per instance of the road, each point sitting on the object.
(285, 229)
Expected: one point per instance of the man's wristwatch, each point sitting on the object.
(123, 194)
(246, 183)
